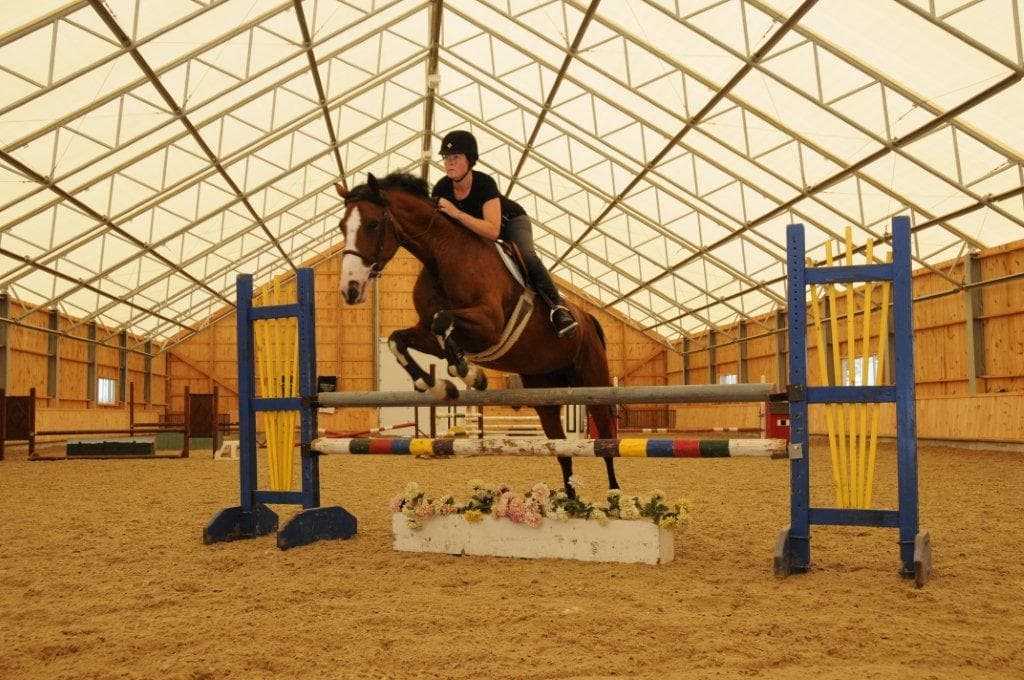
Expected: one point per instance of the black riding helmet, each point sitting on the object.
(460, 141)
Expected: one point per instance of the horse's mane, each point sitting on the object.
(402, 181)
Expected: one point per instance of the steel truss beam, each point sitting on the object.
(180, 114)
(196, 178)
(916, 99)
(433, 83)
(194, 106)
(552, 92)
(253, 226)
(745, 107)
(699, 116)
(314, 69)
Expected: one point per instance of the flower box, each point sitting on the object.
(617, 540)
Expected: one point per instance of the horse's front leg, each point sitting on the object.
(469, 323)
(421, 339)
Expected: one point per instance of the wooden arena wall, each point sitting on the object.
(947, 408)
(30, 350)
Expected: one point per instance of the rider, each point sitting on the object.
(472, 198)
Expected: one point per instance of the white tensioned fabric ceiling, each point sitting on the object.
(152, 150)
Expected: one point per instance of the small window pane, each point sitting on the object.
(106, 392)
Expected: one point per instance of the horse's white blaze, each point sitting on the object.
(353, 269)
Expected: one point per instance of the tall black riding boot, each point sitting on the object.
(561, 318)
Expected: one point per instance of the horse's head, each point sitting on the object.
(370, 238)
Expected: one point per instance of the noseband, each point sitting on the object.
(376, 263)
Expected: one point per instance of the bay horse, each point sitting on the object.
(464, 296)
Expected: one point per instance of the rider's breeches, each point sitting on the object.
(520, 231)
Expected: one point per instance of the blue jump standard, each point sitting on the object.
(793, 548)
(252, 517)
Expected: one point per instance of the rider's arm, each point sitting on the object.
(490, 226)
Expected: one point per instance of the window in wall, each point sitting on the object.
(858, 367)
(728, 379)
(106, 391)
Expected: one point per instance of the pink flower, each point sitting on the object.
(395, 505)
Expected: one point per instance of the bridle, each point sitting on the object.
(376, 263)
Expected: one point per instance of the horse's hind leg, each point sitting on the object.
(604, 419)
(592, 371)
(551, 422)
(419, 338)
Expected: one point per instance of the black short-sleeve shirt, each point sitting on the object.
(483, 189)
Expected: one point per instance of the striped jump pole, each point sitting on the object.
(601, 448)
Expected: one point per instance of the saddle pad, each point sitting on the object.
(509, 264)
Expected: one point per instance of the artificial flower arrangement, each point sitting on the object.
(539, 502)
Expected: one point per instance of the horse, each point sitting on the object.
(464, 296)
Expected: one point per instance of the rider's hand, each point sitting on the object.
(448, 208)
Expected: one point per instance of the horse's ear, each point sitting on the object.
(371, 182)
(342, 191)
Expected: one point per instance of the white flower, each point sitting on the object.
(576, 482)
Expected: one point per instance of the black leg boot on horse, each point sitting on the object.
(520, 232)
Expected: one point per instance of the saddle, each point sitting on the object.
(514, 263)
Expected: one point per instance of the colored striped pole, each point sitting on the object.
(603, 448)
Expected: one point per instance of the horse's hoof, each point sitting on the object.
(420, 385)
(480, 383)
(452, 370)
(445, 389)
(476, 379)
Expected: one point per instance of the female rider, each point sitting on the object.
(472, 198)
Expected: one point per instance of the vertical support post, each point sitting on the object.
(32, 419)
(799, 533)
(53, 357)
(246, 393)
(741, 373)
(216, 434)
(307, 388)
(122, 364)
(906, 413)
(433, 409)
(5, 346)
(147, 376)
(3, 417)
(90, 368)
(686, 360)
(712, 358)
(131, 409)
(974, 333)
(187, 422)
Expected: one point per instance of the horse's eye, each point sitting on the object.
(372, 225)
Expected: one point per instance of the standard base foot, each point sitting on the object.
(922, 559)
(784, 562)
(232, 524)
(317, 524)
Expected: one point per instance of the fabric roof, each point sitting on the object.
(151, 151)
